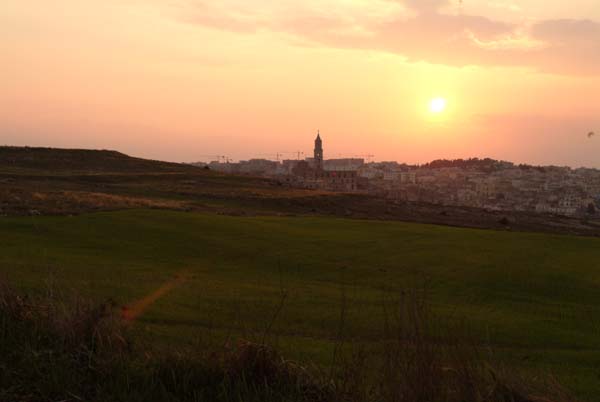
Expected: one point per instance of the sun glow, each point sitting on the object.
(437, 105)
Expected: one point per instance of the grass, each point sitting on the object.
(46, 181)
(533, 298)
(54, 349)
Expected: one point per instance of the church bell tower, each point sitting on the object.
(318, 151)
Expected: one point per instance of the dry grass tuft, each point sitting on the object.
(55, 350)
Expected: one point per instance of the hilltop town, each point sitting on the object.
(481, 183)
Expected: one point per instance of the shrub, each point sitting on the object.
(53, 350)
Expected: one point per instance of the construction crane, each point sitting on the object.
(279, 155)
(270, 156)
(298, 154)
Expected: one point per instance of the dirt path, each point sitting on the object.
(133, 310)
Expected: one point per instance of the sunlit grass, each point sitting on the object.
(533, 297)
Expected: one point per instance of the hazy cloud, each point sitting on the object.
(431, 34)
(440, 38)
(425, 6)
(564, 138)
(223, 16)
(571, 46)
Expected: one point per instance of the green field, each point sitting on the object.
(535, 298)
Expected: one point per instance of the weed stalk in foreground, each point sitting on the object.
(57, 350)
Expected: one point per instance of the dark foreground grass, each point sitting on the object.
(532, 299)
(76, 351)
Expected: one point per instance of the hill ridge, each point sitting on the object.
(81, 159)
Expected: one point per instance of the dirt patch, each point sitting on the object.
(133, 310)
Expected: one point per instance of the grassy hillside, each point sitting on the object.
(534, 298)
(80, 160)
(48, 181)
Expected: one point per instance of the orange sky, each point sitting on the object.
(180, 79)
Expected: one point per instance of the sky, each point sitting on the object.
(186, 80)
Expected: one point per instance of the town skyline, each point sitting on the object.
(367, 157)
(172, 80)
(300, 200)
(480, 183)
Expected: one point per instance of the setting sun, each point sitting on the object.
(245, 196)
(437, 105)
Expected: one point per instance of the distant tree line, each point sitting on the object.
(485, 164)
